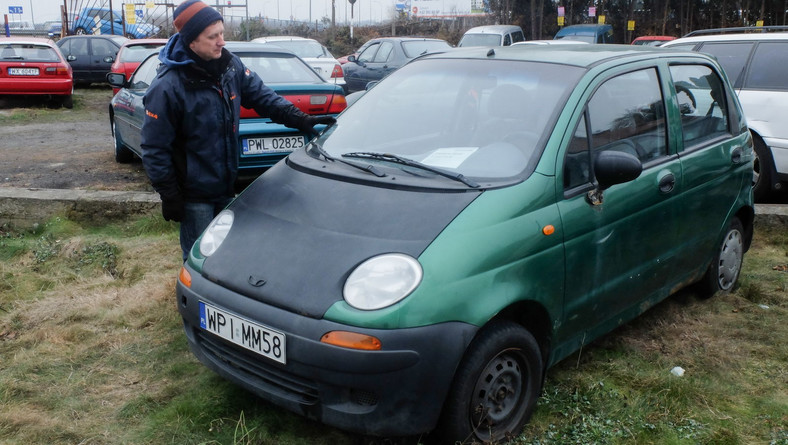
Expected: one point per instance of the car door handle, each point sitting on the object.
(667, 183)
(736, 155)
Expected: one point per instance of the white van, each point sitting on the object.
(492, 35)
(756, 66)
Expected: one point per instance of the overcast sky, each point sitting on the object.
(43, 10)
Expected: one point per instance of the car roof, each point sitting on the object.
(237, 46)
(584, 56)
(655, 38)
(279, 38)
(133, 42)
(492, 29)
(31, 40)
(733, 37)
(117, 39)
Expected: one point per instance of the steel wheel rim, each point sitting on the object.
(731, 255)
(499, 393)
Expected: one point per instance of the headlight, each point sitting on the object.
(382, 281)
(217, 231)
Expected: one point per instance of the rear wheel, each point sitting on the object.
(68, 101)
(761, 171)
(80, 31)
(495, 388)
(122, 154)
(723, 272)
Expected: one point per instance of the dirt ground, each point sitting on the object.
(41, 147)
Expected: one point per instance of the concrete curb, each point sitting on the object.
(25, 207)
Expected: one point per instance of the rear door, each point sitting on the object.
(102, 54)
(715, 158)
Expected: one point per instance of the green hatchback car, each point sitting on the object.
(469, 222)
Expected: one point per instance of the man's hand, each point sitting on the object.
(307, 125)
(172, 209)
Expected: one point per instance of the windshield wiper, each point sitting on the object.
(411, 163)
(365, 167)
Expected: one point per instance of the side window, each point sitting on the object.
(517, 36)
(577, 165)
(732, 56)
(768, 66)
(384, 53)
(507, 40)
(701, 97)
(369, 54)
(103, 48)
(627, 113)
(144, 76)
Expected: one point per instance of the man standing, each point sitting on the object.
(190, 133)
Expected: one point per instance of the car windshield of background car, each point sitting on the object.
(481, 40)
(279, 68)
(480, 118)
(416, 48)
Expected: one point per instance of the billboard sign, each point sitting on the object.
(447, 8)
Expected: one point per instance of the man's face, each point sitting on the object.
(208, 45)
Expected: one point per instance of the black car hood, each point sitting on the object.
(297, 236)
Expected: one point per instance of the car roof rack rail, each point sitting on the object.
(737, 29)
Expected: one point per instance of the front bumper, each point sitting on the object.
(397, 391)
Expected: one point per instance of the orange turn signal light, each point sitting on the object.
(548, 229)
(185, 277)
(351, 340)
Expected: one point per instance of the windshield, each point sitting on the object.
(415, 48)
(480, 40)
(478, 118)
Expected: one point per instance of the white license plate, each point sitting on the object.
(23, 71)
(279, 144)
(247, 334)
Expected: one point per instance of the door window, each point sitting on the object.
(768, 67)
(103, 48)
(701, 97)
(368, 55)
(732, 56)
(384, 53)
(626, 113)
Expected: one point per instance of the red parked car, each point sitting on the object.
(33, 66)
(652, 40)
(132, 53)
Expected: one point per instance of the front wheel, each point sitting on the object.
(80, 31)
(726, 265)
(495, 388)
(122, 154)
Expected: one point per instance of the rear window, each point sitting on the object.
(279, 68)
(480, 40)
(28, 52)
(768, 67)
(416, 48)
(302, 48)
(137, 53)
(732, 56)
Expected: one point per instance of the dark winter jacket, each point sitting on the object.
(190, 139)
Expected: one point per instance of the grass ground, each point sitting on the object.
(92, 352)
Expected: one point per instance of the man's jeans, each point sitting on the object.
(196, 217)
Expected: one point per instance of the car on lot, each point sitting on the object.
(586, 33)
(492, 35)
(93, 20)
(32, 66)
(549, 42)
(422, 263)
(313, 53)
(756, 64)
(263, 143)
(90, 56)
(132, 53)
(652, 40)
(382, 56)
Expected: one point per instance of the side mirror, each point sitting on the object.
(352, 58)
(615, 167)
(117, 80)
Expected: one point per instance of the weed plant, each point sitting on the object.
(92, 351)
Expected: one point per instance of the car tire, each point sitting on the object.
(762, 171)
(80, 31)
(725, 267)
(68, 101)
(504, 360)
(122, 154)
